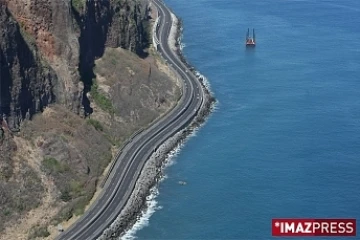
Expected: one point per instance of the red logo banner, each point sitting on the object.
(313, 227)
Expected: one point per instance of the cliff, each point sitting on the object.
(115, 23)
(26, 84)
(69, 36)
(76, 80)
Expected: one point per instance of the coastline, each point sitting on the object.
(153, 170)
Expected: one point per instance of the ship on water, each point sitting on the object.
(250, 40)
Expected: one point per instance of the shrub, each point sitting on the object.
(79, 207)
(76, 188)
(39, 232)
(102, 101)
(78, 5)
(96, 124)
(51, 165)
(65, 195)
(64, 215)
(7, 212)
(72, 191)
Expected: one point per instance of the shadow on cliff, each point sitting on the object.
(145, 28)
(22, 78)
(93, 33)
(94, 23)
(5, 85)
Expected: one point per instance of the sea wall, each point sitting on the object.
(153, 169)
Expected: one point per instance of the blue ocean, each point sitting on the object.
(284, 140)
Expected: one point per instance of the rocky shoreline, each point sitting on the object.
(153, 169)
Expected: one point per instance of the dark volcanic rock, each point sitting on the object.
(130, 26)
(45, 40)
(26, 86)
(48, 50)
(113, 24)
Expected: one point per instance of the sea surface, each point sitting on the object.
(284, 140)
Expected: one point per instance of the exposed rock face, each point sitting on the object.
(50, 27)
(48, 50)
(61, 40)
(26, 85)
(115, 23)
(129, 26)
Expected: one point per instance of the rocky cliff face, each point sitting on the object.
(48, 49)
(115, 23)
(62, 60)
(26, 84)
(48, 28)
(129, 28)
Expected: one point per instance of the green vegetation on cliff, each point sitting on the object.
(78, 5)
(100, 99)
(38, 231)
(96, 124)
(72, 152)
(51, 165)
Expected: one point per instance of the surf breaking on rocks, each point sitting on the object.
(142, 203)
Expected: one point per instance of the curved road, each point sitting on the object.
(130, 162)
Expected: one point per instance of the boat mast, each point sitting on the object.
(254, 34)
(247, 35)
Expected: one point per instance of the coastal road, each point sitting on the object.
(128, 166)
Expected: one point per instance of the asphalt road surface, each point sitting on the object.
(130, 162)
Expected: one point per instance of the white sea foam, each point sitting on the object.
(151, 205)
(215, 106)
(143, 220)
(182, 45)
(204, 80)
(170, 160)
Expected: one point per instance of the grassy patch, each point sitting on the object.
(38, 232)
(102, 101)
(6, 172)
(72, 190)
(63, 138)
(7, 212)
(81, 202)
(51, 165)
(65, 195)
(19, 196)
(76, 188)
(105, 160)
(64, 215)
(80, 205)
(79, 196)
(79, 5)
(113, 140)
(96, 124)
(77, 208)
